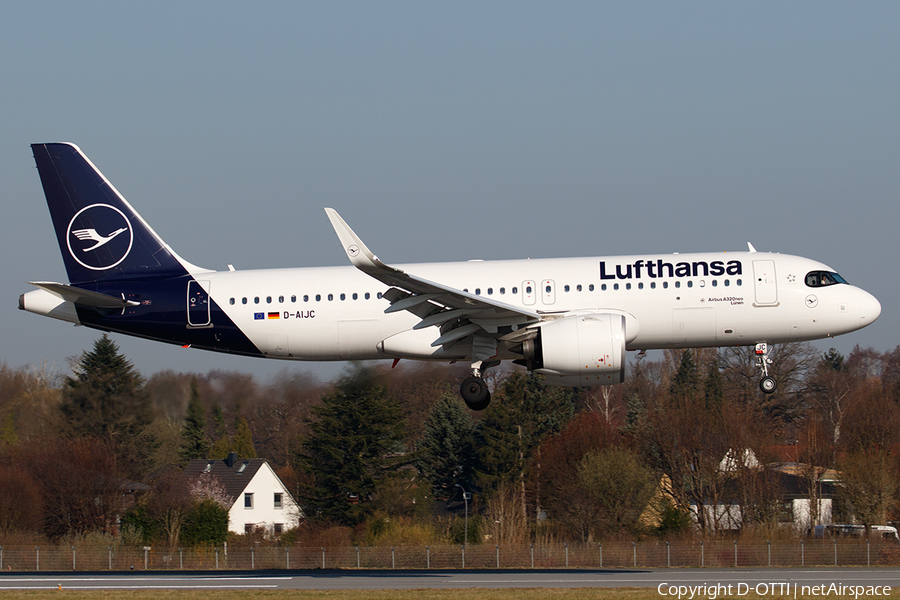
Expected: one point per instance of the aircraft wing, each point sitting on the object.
(458, 313)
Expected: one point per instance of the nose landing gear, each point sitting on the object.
(768, 383)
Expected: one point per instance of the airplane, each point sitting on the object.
(571, 319)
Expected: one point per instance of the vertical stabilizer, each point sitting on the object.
(100, 235)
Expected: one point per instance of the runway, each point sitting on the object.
(765, 581)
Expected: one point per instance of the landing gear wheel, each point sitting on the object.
(767, 385)
(474, 392)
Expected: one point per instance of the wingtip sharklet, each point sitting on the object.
(356, 249)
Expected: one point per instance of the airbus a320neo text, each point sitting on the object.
(571, 319)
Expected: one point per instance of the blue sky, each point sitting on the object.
(445, 131)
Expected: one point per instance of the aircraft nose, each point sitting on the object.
(870, 307)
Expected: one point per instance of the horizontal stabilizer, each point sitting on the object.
(83, 297)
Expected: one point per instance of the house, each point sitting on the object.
(786, 482)
(257, 498)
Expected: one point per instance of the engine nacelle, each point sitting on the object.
(586, 349)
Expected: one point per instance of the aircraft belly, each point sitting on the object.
(315, 341)
(358, 339)
(694, 325)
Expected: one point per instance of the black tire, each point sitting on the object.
(767, 385)
(474, 392)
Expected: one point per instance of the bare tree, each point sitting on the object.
(505, 520)
(869, 467)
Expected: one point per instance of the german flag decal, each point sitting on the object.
(274, 315)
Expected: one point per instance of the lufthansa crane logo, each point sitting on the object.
(99, 237)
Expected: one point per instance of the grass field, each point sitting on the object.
(424, 594)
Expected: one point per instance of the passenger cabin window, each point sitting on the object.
(823, 278)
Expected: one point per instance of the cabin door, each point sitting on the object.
(198, 303)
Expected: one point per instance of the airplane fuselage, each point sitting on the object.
(337, 313)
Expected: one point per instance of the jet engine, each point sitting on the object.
(580, 350)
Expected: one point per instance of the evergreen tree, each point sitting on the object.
(686, 383)
(194, 443)
(243, 439)
(833, 361)
(635, 415)
(355, 440)
(222, 444)
(106, 400)
(447, 453)
(205, 523)
(523, 412)
(714, 390)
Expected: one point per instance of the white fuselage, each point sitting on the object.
(669, 301)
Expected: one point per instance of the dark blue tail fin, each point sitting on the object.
(100, 235)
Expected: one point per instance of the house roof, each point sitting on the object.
(233, 473)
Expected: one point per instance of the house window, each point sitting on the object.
(277, 500)
(278, 528)
(248, 500)
(248, 528)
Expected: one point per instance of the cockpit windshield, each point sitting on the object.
(823, 278)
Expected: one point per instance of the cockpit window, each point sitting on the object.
(823, 278)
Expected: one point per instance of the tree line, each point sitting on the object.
(384, 456)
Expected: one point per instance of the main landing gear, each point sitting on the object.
(767, 384)
(474, 389)
(475, 393)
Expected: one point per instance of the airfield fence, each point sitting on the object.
(617, 555)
